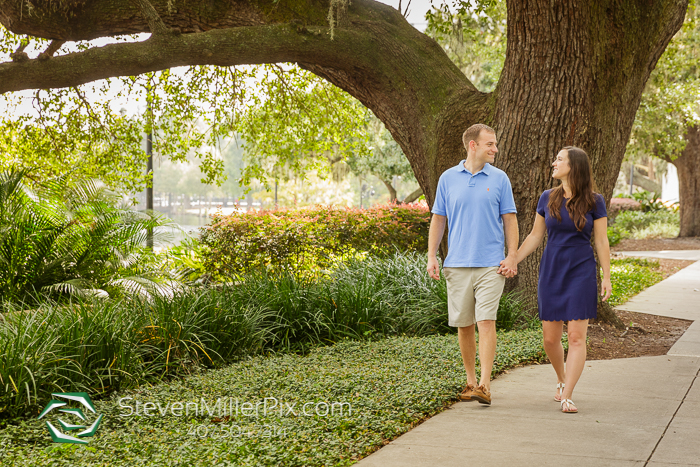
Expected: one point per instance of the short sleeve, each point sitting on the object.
(439, 206)
(507, 203)
(542, 203)
(599, 210)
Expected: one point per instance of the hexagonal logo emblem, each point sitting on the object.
(80, 420)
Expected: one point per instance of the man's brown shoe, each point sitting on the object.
(482, 395)
(466, 395)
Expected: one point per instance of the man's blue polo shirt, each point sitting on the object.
(474, 205)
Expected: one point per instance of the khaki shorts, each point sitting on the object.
(473, 294)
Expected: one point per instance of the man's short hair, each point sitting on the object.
(472, 133)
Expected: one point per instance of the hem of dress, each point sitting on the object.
(568, 319)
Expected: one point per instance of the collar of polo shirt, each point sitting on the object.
(486, 169)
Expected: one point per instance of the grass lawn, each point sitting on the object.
(386, 387)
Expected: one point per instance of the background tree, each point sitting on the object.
(385, 160)
(299, 123)
(667, 124)
(574, 71)
(473, 35)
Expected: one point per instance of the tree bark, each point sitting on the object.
(573, 75)
(688, 165)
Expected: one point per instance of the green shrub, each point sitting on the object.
(657, 230)
(514, 313)
(616, 234)
(102, 346)
(639, 224)
(649, 202)
(306, 240)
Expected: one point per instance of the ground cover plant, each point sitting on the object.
(629, 276)
(390, 385)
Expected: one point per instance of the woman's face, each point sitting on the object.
(561, 165)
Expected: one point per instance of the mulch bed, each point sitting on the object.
(645, 335)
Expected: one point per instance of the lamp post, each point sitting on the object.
(631, 178)
(149, 171)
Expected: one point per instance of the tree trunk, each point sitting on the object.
(573, 75)
(391, 189)
(688, 165)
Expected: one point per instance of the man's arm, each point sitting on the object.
(437, 230)
(509, 266)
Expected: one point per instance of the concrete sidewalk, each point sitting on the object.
(692, 255)
(676, 297)
(633, 412)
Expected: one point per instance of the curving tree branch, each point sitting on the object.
(155, 23)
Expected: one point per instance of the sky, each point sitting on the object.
(416, 10)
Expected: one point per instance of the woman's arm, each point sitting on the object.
(533, 240)
(602, 247)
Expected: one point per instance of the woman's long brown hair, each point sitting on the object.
(581, 183)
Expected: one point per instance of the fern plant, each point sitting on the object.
(75, 239)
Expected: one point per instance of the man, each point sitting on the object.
(476, 199)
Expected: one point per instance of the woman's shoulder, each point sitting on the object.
(545, 193)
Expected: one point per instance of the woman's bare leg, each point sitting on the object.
(552, 331)
(576, 359)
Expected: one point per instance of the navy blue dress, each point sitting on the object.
(567, 289)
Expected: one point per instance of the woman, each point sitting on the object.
(567, 289)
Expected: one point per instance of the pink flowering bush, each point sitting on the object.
(310, 239)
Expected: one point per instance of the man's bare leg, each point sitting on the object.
(467, 346)
(487, 350)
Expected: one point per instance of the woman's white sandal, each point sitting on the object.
(569, 403)
(560, 391)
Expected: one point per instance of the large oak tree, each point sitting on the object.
(573, 75)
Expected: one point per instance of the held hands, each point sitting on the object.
(605, 289)
(433, 268)
(508, 267)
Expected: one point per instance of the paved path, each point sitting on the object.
(693, 255)
(633, 412)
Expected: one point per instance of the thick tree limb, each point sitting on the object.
(155, 24)
(378, 58)
(413, 196)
